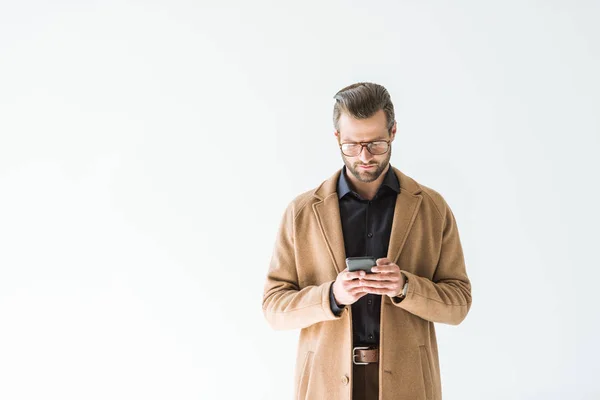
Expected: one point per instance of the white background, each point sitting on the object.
(148, 150)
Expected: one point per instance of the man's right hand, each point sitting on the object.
(348, 288)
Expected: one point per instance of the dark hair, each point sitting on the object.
(362, 100)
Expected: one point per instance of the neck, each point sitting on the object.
(367, 190)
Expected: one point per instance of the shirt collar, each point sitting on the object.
(390, 180)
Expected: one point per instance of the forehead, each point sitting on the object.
(363, 130)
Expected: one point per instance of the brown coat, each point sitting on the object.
(308, 255)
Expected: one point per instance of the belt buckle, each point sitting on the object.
(354, 355)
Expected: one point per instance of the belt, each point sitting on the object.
(365, 355)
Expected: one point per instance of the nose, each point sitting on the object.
(365, 156)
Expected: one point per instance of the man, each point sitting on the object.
(367, 336)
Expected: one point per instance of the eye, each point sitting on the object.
(379, 147)
(351, 149)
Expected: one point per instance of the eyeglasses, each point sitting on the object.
(376, 148)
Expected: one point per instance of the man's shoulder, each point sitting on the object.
(301, 201)
(434, 197)
(430, 195)
(305, 199)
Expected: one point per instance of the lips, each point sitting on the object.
(367, 166)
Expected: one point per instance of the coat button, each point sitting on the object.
(345, 380)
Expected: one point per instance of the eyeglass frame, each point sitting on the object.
(366, 144)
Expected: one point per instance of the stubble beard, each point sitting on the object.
(367, 176)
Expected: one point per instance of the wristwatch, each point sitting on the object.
(404, 290)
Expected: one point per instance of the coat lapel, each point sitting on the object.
(328, 215)
(327, 212)
(405, 213)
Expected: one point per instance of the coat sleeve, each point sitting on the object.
(286, 305)
(447, 297)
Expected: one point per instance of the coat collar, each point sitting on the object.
(390, 180)
(327, 212)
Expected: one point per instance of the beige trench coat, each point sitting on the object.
(308, 255)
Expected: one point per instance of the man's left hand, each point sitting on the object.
(385, 279)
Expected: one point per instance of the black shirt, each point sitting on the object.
(366, 226)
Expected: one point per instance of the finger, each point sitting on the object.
(383, 261)
(381, 291)
(382, 277)
(378, 284)
(385, 268)
(357, 283)
(359, 295)
(348, 276)
(356, 290)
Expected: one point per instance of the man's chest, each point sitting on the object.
(367, 225)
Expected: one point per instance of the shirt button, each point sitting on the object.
(345, 380)
(370, 336)
(369, 301)
(370, 234)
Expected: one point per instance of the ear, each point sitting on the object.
(393, 132)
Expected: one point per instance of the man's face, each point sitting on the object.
(353, 130)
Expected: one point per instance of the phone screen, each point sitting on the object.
(360, 263)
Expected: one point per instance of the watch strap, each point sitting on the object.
(404, 289)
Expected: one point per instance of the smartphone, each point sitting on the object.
(360, 263)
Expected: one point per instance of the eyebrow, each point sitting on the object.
(374, 140)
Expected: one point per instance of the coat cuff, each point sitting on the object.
(445, 301)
